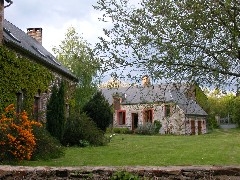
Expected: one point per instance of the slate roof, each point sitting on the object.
(18, 39)
(155, 94)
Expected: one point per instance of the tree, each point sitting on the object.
(191, 40)
(56, 112)
(236, 110)
(223, 105)
(99, 110)
(76, 54)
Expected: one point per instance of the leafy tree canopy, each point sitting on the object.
(76, 54)
(99, 110)
(190, 40)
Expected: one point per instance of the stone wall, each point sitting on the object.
(102, 173)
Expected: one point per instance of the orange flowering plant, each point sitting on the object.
(17, 140)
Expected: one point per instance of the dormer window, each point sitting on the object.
(11, 35)
(40, 52)
(52, 59)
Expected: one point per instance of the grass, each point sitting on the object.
(217, 148)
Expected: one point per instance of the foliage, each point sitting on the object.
(77, 56)
(193, 40)
(202, 98)
(157, 125)
(17, 141)
(236, 110)
(47, 147)
(80, 129)
(223, 105)
(84, 143)
(146, 129)
(124, 175)
(56, 111)
(99, 110)
(19, 74)
(118, 130)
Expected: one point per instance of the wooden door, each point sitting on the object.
(199, 127)
(192, 127)
(134, 121)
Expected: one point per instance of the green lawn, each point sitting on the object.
(217, 148)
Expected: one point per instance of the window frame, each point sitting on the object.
(148, 115)
(123, 120)
(19, 104)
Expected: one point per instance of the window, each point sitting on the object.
(36, 107)
(148, 115)
(19, 102)
(40, 52)
(121, 117)
(167, 110)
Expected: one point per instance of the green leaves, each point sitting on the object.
(56, 112)
(201, 37)
(20, 74)
(76, 54)
(99, 110)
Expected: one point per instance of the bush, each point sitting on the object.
(56, 112)
(17, 141)
(47, 146)
(121, 130)
(146, 129)
(80, 129)
(99, 110)
(157, 125)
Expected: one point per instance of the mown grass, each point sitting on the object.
(217, 148)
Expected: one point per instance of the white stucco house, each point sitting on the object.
(172, 104)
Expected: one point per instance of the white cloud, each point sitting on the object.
(56, 18)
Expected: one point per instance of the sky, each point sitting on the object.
(55, 17)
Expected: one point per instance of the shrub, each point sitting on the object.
(47, 146)
(99, 110)
(56, 112)
(157, 125)
(80, 129)
(17, 141)
(146, 129)
(121, 130)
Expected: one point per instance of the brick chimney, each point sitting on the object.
(1, 20)
(35, 33)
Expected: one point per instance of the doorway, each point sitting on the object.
(199, 127)
(134, 121)
(192, 127)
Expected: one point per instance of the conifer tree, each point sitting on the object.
(99, 110)
(56, 112)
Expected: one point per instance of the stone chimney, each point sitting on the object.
(1, 20)
(146, 81)
(117, 101)
(35, 33)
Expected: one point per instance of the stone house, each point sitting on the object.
(29, 46)
(172, 104)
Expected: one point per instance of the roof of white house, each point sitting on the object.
(155, 94)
